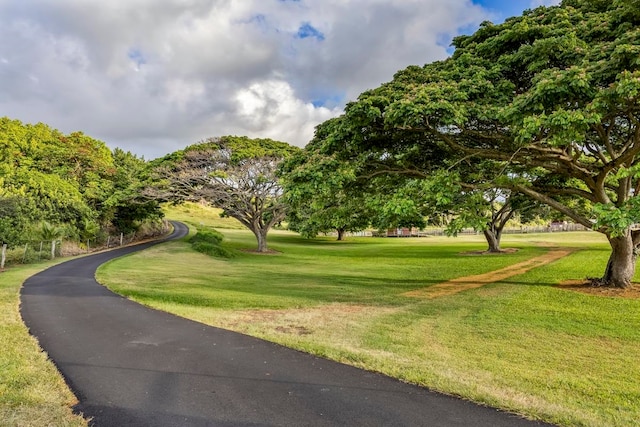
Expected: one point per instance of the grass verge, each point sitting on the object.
(522, 344)
(32, 391)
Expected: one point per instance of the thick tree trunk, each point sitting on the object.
(493, 239)
(261, 237)
(341, 232)
(622, 262)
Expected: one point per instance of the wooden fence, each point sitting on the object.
(437, 231)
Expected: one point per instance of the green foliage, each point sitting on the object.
(208, 235)
(128, 207)
(617, 220)
(48, 232)
(13, 221)
(209, 242)
(71, 180)
(242, 147)
(545, 105)
(322, 194)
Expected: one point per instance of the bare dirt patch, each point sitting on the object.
(257, 252)
(471, 282)
(586, 287)
(300, 321)
(502, 251)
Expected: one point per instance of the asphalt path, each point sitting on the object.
(133, 366)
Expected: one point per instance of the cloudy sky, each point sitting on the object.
(152, 76)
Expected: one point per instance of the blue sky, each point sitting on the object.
(504, 8)
(152, 76)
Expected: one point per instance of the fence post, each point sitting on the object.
(108, 241)
(88, 246)
(53, 249)
(24, 257)
(40, 253)
(3, 257)
(121, 237)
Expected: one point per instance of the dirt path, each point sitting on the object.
(471, 282)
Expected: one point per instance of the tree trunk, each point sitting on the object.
(622, 262)
(341, 232)
(3, 257)
(493, 237)
(53, 249)
(261, 237)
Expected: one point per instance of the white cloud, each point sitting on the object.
(536, 3)
(153, 76)
(271, 109)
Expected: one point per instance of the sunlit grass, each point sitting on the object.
(522, 344)
(32, 392)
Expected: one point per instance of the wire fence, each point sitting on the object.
(39, 250)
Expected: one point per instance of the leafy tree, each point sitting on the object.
(323, 194)
(463, 203)
(13, 224)
(71, 180)
(236, 174)
(550, 96)
(327, 192)
(126, 205)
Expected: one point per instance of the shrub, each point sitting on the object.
(209, 242)
(207, 235)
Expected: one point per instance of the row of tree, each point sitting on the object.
(69, 183)
(539, 112)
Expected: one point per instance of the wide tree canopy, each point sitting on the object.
(550, 97)
(235, 174)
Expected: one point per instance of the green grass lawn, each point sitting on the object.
(522, 344)
(32, 392)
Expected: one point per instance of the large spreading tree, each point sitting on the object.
(551, 97)
(235, 174)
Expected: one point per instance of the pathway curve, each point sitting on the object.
(133, 366)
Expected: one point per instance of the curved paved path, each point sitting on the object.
(133, 366)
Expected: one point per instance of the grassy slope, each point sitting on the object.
(522, 344)
(32, 392)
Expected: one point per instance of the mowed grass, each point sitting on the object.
(32, 392)
(523, 344)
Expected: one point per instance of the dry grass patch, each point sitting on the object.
(295, 321)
